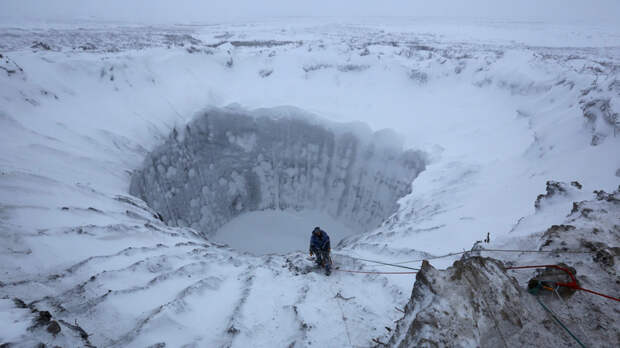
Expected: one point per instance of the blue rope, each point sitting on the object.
(534, 291)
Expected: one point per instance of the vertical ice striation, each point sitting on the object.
(226, 162)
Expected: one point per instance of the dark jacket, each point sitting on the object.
(320, 242)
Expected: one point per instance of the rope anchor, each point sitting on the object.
(572, 284)
(535, 291)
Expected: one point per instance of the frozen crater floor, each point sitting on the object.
(278, 231)
(128, 156)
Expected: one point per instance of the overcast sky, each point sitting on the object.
(213, 10)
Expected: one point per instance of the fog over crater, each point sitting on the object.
(227, 162)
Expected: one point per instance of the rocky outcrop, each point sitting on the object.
(474, 303)
(554, 189)
(477, 303)
(10, 67)
(594, 226)
(32, 327)
(227, 162)
(601, 119)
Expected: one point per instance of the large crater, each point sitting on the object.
(227, 162)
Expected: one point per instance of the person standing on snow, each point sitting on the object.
(319, 246)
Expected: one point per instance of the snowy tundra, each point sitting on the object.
(475, 120)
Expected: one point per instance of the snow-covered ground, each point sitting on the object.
(498, 108)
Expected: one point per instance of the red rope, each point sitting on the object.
(367, 272)
(572, 284)
(598, 293)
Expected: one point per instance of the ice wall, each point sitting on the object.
(226, 162)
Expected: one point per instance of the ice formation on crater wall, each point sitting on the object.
(226, 162)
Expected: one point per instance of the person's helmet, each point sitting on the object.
(316, 230)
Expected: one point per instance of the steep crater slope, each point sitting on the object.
(226, 162)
